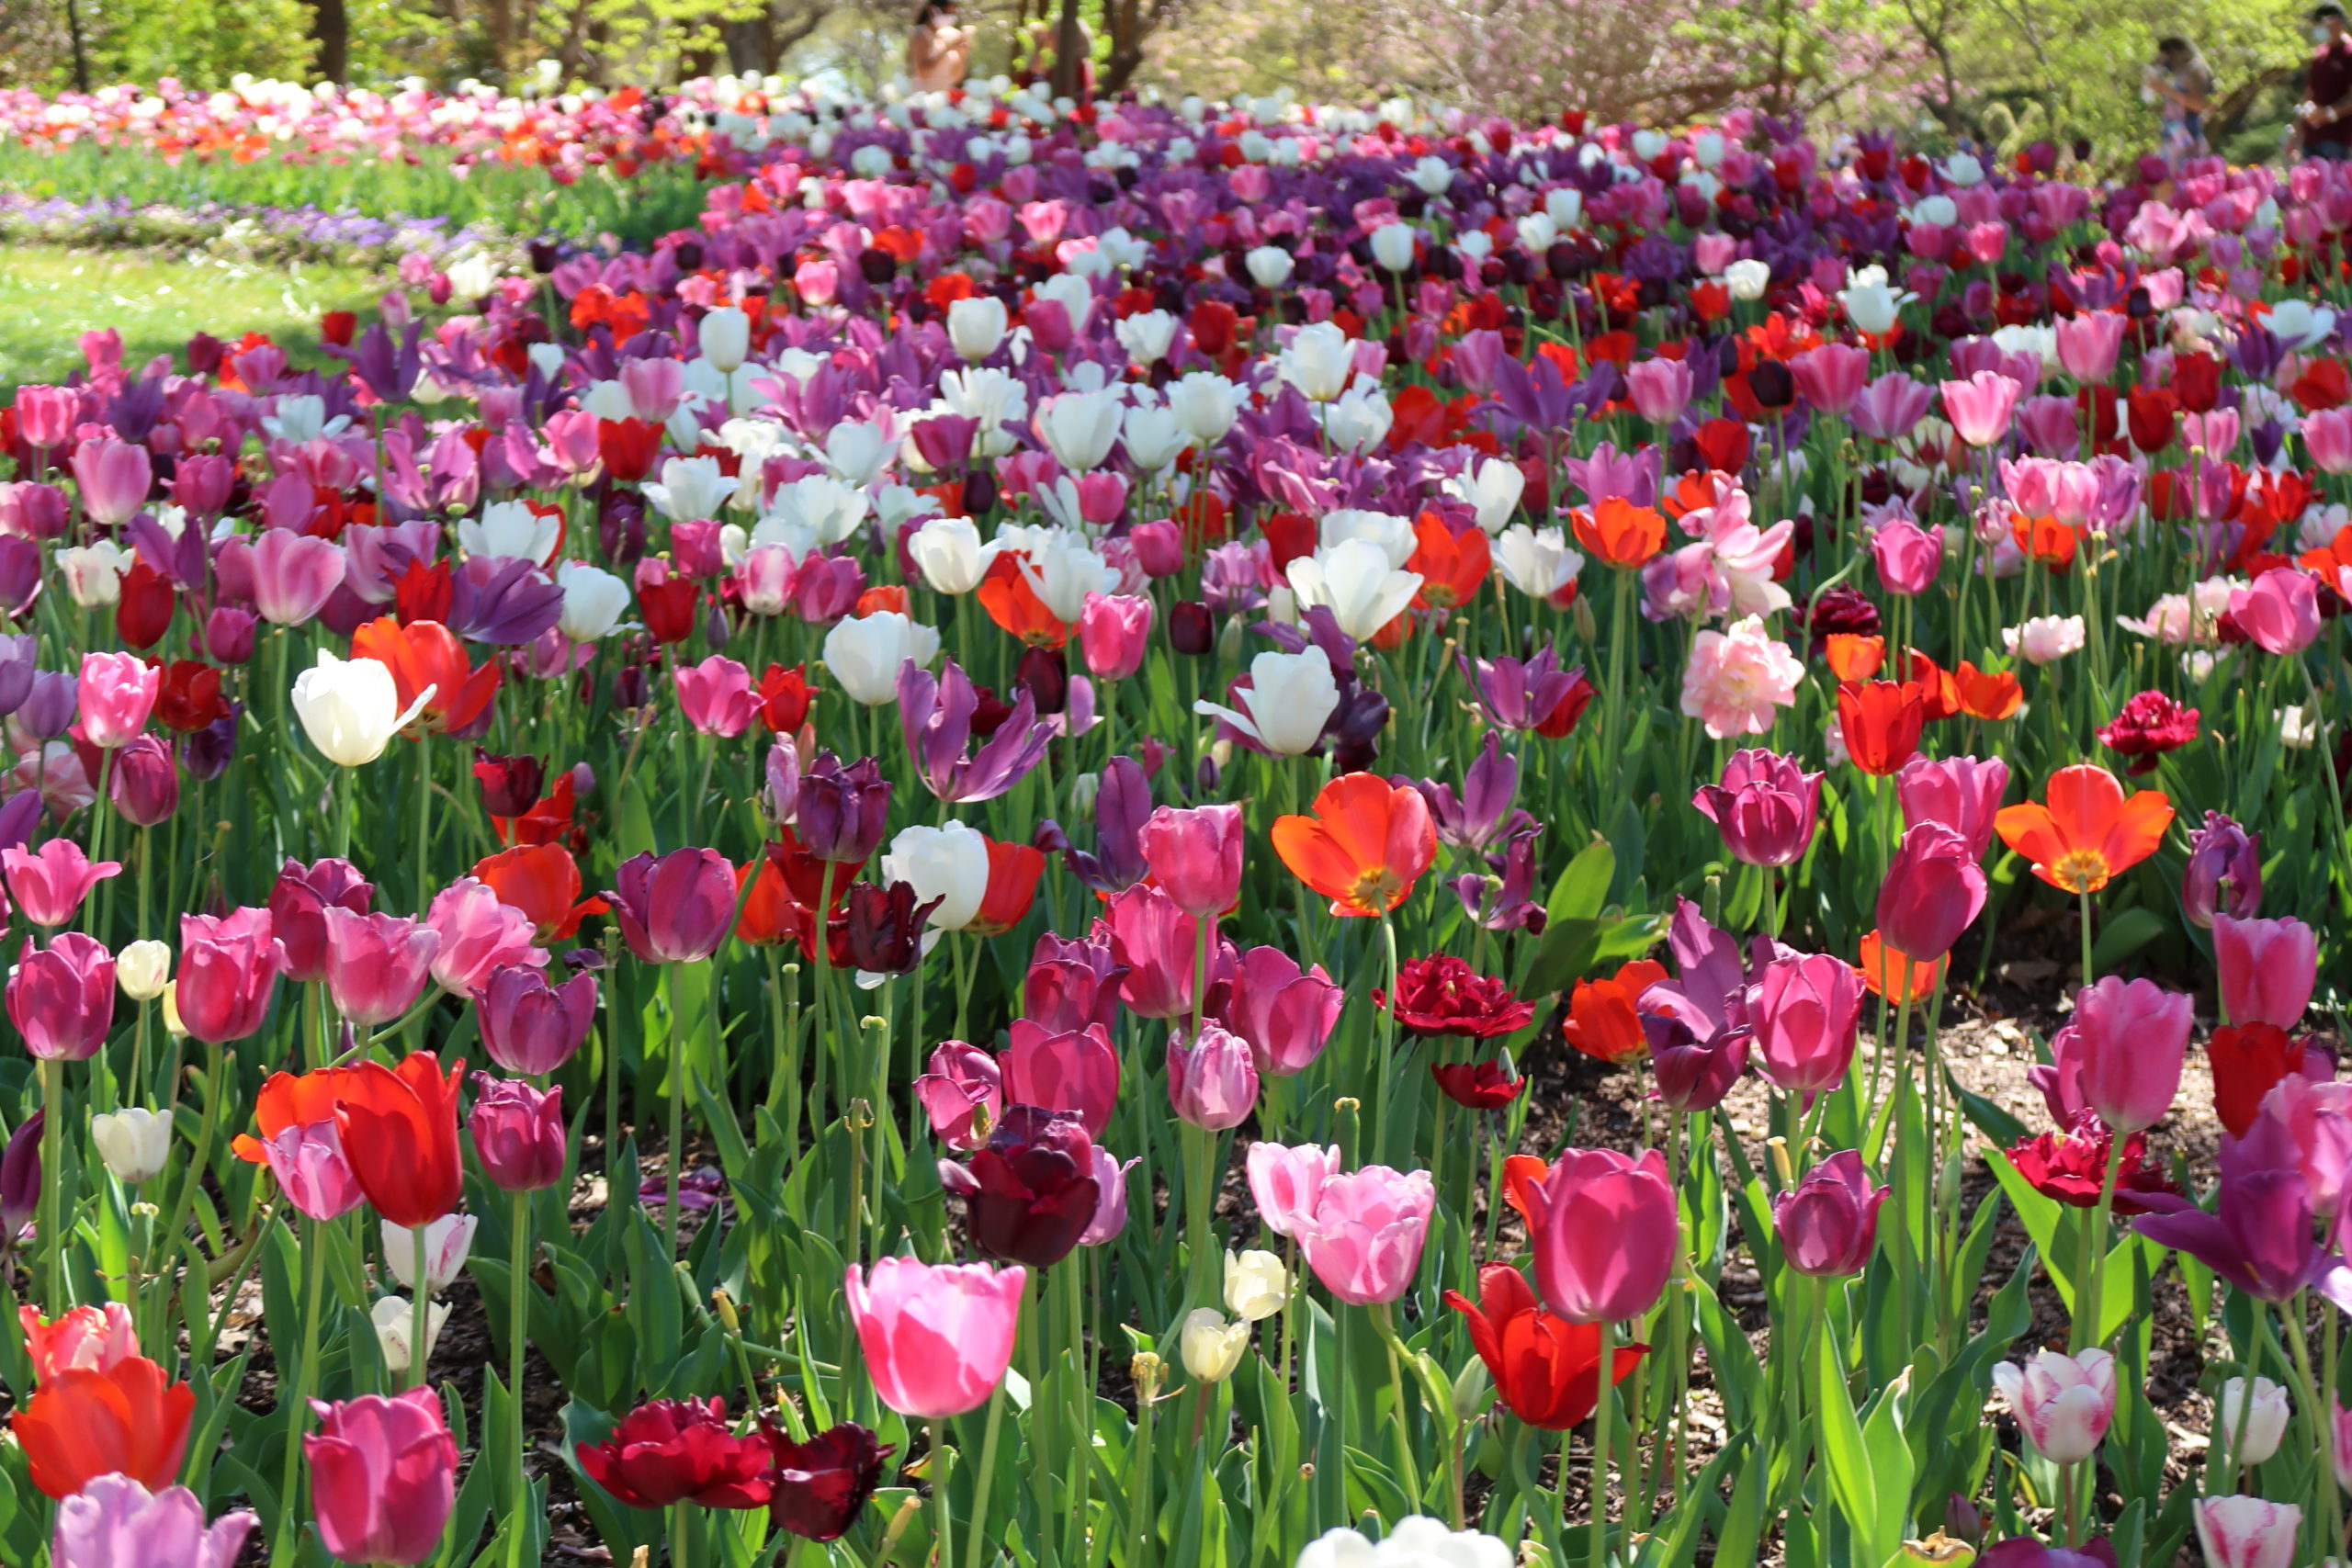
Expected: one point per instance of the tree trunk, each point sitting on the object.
(81, 59)
(331, 26)
(1069, 53)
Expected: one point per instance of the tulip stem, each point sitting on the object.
(289, 1517)
(420, 1305)
(1385, 1321)
(941, 1515)
(1604, 1406)
(185, 1203)
(2316, 1412)
(676, 1156)
(822, 939)
(680, 1534)
(2086, 931)
(53, 1141)
(518, 1282)
(988, 1473)
(1387, 1045)
(2094, 1267)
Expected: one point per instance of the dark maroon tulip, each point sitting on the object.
(510, 785)
(886, 927)
(821, 1485)
(298, 907)
(673, 1450)
(1694, 1074)
(1030, 1194)
(145, 786)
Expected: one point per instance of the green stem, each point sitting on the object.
(988, 1473)
(1385, 1321)
(1604, 1406)
(677, 1155)
(185, 1204)
(2086, 1284)
(518, 1284)
(2316, 1406)
(419, 1348)
(52, 1150)
(289, 1527)
(941, 1515)
(681, 1521)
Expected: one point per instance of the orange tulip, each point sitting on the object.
(1453, 567)
(1014, 871)
(1939, 694)
(2089, 833)
(1618, 532)
(426, 653)
(1987, 694)
(1012, 603)
(1365, 845)
(83, 1424)
(2044, 540)
(1853, 657)
(543, 881)
(1604, 1021)
(292, 1099)
(1880, 722)
(1895, 974)
(1522, 1177)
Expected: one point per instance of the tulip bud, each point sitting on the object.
(2247, 1532)
(1256, 1284)
(1212, 1347)
(446, 1242)
(2065, 1402)
(135, 1143)
(143, 969)
(1146, 1370)
(394, 1317)
(2265, 1425)
(172, 1020)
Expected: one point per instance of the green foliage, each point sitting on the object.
(203, 42)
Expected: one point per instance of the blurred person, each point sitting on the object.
(2324, 120)
(2181, 84)
(939, 52)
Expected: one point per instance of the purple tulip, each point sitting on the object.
(1121, 806)
(2259, 1235)
(935, 713)
(674, 908)
(1517, 694)
(1766, 807)
(1472, 820)
(2223, 876)
(20, 1178)
(843, 809)
(518, 1134)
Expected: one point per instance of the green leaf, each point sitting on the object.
(2127, 932)
(1853, 1480)
(1583, 887)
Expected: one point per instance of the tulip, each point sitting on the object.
(1981, 406)
(297, 905)
(819, 1488)
(1827, 1223)
(1289, 699)
(1604, 1234)
(1286, 1013)
(1659, 389)
(293, 575)
(399, 1129)
(1546, 1369)
(394, 1320)
(2089, 832)
(1159, 946)
(1364, 847)
(1075, 1072)
(144, 783)
(2064, 1402)
(351, 710)
(1414, 1542)
(2279, 614)
(936, 714)
(383, 1476)
(141, 969)
(1285, 1183)
(307, 1161)
(593, 601)
(114, 477)
(1211, 1083)
(2258, 1236)
(1115, 633)
(680, 1450)
(947, 867)
(1766, 807)
(1807, 1010)
(115, 693)
(2268, 969)
(1962, 793)
(116, 1522)
(1256, 1284)
(2130, 1039)
(2264, 1426)
(843, 810)
(2238, 1532)
(937, 1338)
(2089, 341)
(377, 964)
(1356, 581)
(61, 997)
(1195, 856)
(1908, 558)
(20, 1177)
(2223, 874)
(1030, 1191)
(518, 1134)
(1934, 890)
(89, 1337)
(714, 696)
(127, 1418)
(674, 908)
(134, 1143)
(447, 1240)
(48, 884)
(864, 655)
(528, 1026)
(479, 934)
(1364, 1235)
(1212, 1347)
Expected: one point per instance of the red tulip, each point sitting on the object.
(1546, 1369)
(399, 1133)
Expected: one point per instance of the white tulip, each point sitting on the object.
(1871, 303)
(134, 1143)
(950, 554)
(950, 863)
(724, 336)
(547, 358)
(1212, 1347)
(1270, 266)
(1536, 233)
(976, 325)
(1492, 490)
(1155, 437)
(1290, 698)
(1078, 427)
(1393, 534)
(1147, 336)
(1072, 293)
(593, 601)
(1063, 569)
(94, 573)
(1565, 206)
(394, 1317)
(609, 399)
(1358, 420)
(1962, 169)
(864, 655)
(1355, 581)
(1431, 176)
(2297, 324)
(1319, 361)
(142, 968)
(446, 1242)
(1416, 1542)
(689, 488)
(1536, 561)
(1747, 278)
(857, 451)
(1206, 404)
(813, 510)
(508, 530)
(2265, 1424)
(351, 709)
(1392, 246)
(1256, 1284)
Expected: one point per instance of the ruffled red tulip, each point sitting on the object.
(1440, 995)
(821, 1486)
(1478, 1086)
(680, 1451)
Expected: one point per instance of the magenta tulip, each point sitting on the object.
(377, 964)
(228, 973)
(716, 696)
(1075, 1071)
(1195, 856)
(1805, 1009)
(1285, 1012)
(50, 883)
(2279, 614)
(298, 905)
(2268, 969)
(115, 694)
(1962, 793)
(1908, 558)
(529, 1026)
(1827, 1223)
(479, 935)
(293, 575)
(1934, 890)
(676, 908)
(1604, 1234)
(311, 1170)
(1212, 1082)
(383, 1476)
(1114, 633)
(518, 1134)
(1766, 807)
(61, 997)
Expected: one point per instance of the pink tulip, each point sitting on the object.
(1908, 558)
(2279, 614)
(518, 1134)
(383, 1476)
(1980, 407)
(2088, 343)
(50, 883)
(2328, 435)
(2316, 1115)
(1605, 1234)
(294, 575)
(2130, 1038)
(61, 997)
(311, 1170)
(2268, 969)
(94, 1338)
(297, 903)
(765, 579)
(377, 964)
(2239, 1531)
(1962, 793)
(1159, 549)
(1832, 377)
(114, 477)
(115, 691)
(480, 935)
(963, 1094)
(716, 696)
(1934, 890)
(1195, 856)
(228, 972)
(1659, 389)
(46, 415)
(2340, 1445)
(1212, 1082)
(1159, 944)
(1285, 1012)
(1284, 1182)
(116, 1522)
(1114, 633)
(1076, 1071)
(674, 908)
(937, 1339)
(1364, 1238)
(2065, 1402)
(1806, 1009)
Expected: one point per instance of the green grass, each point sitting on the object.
(50, 295)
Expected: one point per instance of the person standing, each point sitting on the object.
(2323, 121)
(2181, 85)
(939, 52)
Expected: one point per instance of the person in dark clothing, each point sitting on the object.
(2323, 121)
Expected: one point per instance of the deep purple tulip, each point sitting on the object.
(297, 905)
(935, 715)
(674, 908)
(48, 706)
(1472, 820)
(885, 926)
(1515, 694)
(1121, 806)
(843, 809)
(1766, 807)
(1827, 1223)
(508, 602)
(2259, 1235)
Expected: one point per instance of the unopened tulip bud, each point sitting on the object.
(171, 1010)
(393, 1317)
(136, 1142)
(1146, 1372)
(1212, 1347)
(2264, 1426)
(142, 970)
(1256, 1284)
(446, 1242)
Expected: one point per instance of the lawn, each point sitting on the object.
(50, 295)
